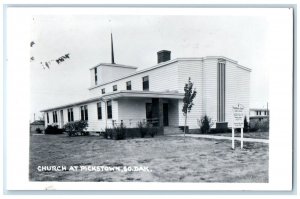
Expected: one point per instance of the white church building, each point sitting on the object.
(124, 94)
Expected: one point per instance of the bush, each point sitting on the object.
(146, 128)
(142, 125)
(205, 123)
(215, 130)
(53, 129)
(119, 132)
(73, 128)
(261, 126)
(107, 134)
(38, 130)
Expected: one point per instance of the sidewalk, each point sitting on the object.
(222, 138)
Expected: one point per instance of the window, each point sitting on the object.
(99, 111)
(103, 90)
(146, 83)
(128, 85)
(109, 110)
(47, 117)
(84, 112)
(221, 91)
(115, 88)
(70, 115)
(257, 112)
(54, 117)
(96, 78)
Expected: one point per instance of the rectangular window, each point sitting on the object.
(103, 90)
(99, 111)
(146, 83)
(70, 115)
(115, 88)
(128, 85)
(84, 112)
(257, 113)
(221, 92)
(47, 117)
(109, 110)
(96, 77)
(54, 117)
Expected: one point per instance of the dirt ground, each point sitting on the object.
(159, 159)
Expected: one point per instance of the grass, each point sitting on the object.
(168, 158)
(258, 135)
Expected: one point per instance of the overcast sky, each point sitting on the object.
(245, 39)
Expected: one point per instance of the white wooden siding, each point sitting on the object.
(194, 70)
(173, 113)
(160, 79)
(132, 111)
(237, 90)
(210, 88)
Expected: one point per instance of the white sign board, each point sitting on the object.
(238, 117)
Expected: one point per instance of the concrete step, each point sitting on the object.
(168, 130)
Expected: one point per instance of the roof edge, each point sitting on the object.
(114, 65)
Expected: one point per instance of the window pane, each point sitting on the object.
(109, 110)
(146, 83)
(128, 85)
(81, 113)
(99, 111)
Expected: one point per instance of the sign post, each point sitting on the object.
(238, 122)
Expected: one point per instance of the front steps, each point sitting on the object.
(172, 130)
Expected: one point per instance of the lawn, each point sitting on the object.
(168, 159)
(258, 135)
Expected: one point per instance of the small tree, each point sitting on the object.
(189, 95)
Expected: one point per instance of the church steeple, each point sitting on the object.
(112, 49)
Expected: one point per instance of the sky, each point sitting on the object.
(137, 38)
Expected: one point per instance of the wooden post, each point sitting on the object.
(232, 134)
(242, 138)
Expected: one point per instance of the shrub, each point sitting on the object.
(246, 124)
(142, 125)
(73, 128)
(53, 129)
(261, 126)
(119, 132)
(38, 130)
(147, 128)
(108, 133)
(205, 123)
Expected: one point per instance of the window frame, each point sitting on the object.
(128, 86)
(109, 109)
(47, 115)
(70, 115)
(84, 113)
(99, 113)
(96, 76)
(103, 90)
(115, 87)
(146, 84)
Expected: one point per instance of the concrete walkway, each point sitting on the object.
(222, 138)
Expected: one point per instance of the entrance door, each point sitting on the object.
(166, 114)
(61, 118)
